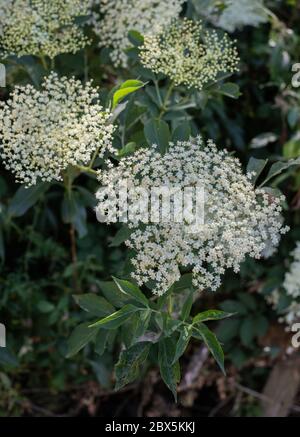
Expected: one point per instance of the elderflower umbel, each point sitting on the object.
(239, 219)
(292, 278)
(189, 54)
(240, 13)
(43, 131)
(121, 16)
(291, 284)
(41, 27)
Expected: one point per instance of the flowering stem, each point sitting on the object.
(158, 93)
(166, 100)
(44, 62)
(88, 170)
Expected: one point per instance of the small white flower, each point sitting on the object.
(239, 219)
(43, 131)
(113, 19)
(41, 27)
(189, 54)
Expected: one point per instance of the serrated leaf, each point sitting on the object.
(211, 315)
(80, 337)
(116, 319)
(130, 361)
(279, 167)
(93, 304)
(131, 290)
(168, 371)
(136, 326)
(183, 341)
(211, 341)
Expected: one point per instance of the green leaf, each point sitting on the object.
(131, 290)
(80, 337)
(117, 318)
(112, 293)
(211, 341)
(129, 365)
(25, 198)
(136, 326)
(261, 325)
(157, 132)
(291, 149)
(247, 331)
(45, 306)
(127, 149)
(230, 89)
(248, 300)
(122, 235)
(183, 283)
(211, 315)
(228, 329)
(2, 246)
(279, 167)
(125, 89)
(256, 166)
(182, 132)
(168, 371)
(101, 340)
(102, 372)
(135, 38)
(73, 211)
(234, 306)
(96, 305)
(183, 341)
(187, 306)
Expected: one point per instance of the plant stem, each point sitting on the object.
(166, 100)
(86, 169)
(44, 62)
(74, 257)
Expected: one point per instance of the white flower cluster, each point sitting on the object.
(291, 284)
(239, 219)
(121, 16)
(292, 278)
(240, 13)
(41, 27)
(188, 54)
(43, 131)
